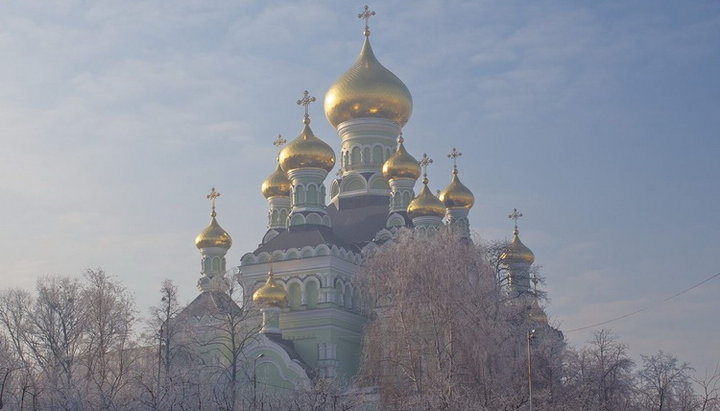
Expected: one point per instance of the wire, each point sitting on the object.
(630, 314)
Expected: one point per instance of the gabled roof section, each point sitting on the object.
(209, 303)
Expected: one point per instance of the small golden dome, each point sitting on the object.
(307, 151)
(401, 164)
(368, 89)
(426, 204)
(517, 251)
(271, 294)
(456, 195)
(277, 184)
(213, 236)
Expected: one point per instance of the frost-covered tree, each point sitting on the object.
(441, 334)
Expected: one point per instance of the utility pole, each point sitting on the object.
(530, 337)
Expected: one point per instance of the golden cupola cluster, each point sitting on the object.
(426, 204)
(271, 294)
(277, 184)
(307, 151)
(456, 195)
(367, 89)
(213, 235)
(401, 164)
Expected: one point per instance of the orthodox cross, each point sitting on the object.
(305, 101)
(424, 163)
(279, 142)
(514, 216)
(365, 15)
(212, 197)
(454, 154)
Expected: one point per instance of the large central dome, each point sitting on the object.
(368, 89)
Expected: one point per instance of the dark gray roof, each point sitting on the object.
(357, 219)
(304, 235)
(209, 303)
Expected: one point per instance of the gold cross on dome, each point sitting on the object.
(514, 216)
(365, 15)
(279, 142)
(424, 163)
(212, 197)
(454, 154)
(305, 101)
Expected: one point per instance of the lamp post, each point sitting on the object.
(530, 337)
(259, 356)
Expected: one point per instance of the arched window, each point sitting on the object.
(312, 194)
(355, 157)
(377, 155)
(339, 292)
(348, 297)
(294, 295)
(311, 293)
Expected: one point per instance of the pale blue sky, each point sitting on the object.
(598, 121)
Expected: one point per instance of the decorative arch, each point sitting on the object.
(297, 219)
(353, 182)
(264, 257)
(322, 249)
(292, 254)
(377, 181)
(395, 220)
(313, 218)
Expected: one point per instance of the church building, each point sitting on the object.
(300, 275)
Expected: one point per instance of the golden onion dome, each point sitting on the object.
(277, 184)
(271, 294)
(456, 195)
(401, 164)
(368, 89)
(517, 251)
(426, 204)
(307, 151)
(213, 236)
